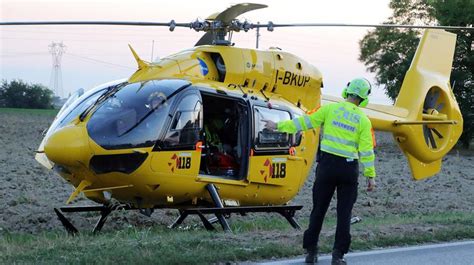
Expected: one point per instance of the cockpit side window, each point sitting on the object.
(265, 139)
(186, 125)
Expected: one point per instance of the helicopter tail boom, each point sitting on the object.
(434, 122)
(426, 121)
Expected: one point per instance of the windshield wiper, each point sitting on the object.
(110, 91)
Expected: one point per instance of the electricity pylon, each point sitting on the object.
(57, 49)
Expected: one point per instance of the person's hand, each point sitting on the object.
(270, 125)
(370, 184)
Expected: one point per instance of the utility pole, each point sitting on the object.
(258, 34)
(57, 49)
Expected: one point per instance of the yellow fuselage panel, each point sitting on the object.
(168, 173)
(271, 71)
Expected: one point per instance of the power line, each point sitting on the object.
(99, 61)
(13, 55)
(23, 54)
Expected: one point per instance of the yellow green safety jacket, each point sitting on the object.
(347, 132)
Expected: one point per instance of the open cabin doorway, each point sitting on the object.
(225, 137)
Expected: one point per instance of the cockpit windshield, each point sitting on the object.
(134, 115)
(77, 103)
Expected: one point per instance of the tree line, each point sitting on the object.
(19, 94)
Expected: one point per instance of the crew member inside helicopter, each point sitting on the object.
(220, 128)
(156, 100)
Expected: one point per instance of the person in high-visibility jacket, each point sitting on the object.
(347, 139)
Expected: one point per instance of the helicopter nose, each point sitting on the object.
(68, 146)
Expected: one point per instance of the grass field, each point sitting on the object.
(46, 112)
(264, 238)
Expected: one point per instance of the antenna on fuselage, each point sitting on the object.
(258, 36)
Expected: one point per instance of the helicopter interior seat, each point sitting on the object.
(221, 156)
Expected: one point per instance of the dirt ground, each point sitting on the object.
(28, 192)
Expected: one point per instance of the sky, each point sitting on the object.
(98, 54)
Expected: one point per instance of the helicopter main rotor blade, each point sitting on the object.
(171, 24)
(234, 11)
(270, 26)
(206, 39)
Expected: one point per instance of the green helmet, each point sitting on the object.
(360, 87)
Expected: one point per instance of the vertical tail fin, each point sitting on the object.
(434, 122)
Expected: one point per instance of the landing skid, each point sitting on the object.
(286, 211)
(220, 212)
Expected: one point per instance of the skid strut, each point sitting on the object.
(183, 213)
(104, 213)
(104, 210)
(65, 222)
(218, 203)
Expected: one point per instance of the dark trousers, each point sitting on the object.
(333, 173)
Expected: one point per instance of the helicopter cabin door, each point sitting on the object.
(226, 125)
(178, 152)
(273, 158)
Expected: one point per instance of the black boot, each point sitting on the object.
(338, 258)
(311, 255)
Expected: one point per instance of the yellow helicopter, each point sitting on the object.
(187, 132)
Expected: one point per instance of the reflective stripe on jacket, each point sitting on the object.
(347, 132)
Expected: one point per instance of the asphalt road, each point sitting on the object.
(461, 253)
